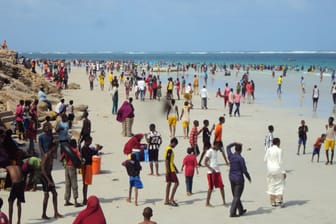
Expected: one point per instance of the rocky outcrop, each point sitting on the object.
(18, 82)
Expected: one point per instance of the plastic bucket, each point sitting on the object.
(96, 161)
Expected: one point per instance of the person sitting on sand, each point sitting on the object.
(93, 213)
(147, 214)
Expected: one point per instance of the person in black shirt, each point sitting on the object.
(302, 131)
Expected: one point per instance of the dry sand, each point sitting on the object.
(310, 189)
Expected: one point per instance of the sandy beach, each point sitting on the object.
(309, 195)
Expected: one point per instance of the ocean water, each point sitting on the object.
(326, 59)
(292, 97)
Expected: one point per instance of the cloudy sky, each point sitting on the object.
(168, 25)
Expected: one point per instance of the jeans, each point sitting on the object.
(115, 107)
(189, 182)
(230, 108)
(237, 191)
(204, 102)
(237, 109)
(142, 95)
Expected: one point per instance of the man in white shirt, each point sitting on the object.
(204, 98)
(214, 175)
(141, 88)
(60, 107)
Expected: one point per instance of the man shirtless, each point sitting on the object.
(147, 214)
(48, 182)
(17, 191)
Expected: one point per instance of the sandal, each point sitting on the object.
(173, 203)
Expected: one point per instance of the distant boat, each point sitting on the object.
(291, 59)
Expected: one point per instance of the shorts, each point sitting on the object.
(302, 141)
(215, 180)
(17, 192)
(87, 174)
(220, 143)
(185, 124)
(135, 182)
(206, 145)
(171, 177)
(71, 117)
(172, 120)
(187, 96)
(153, 155)
(315, 100)
(316, 151)
(328, 143)
(45, 186)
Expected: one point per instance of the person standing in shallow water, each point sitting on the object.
(315, 96)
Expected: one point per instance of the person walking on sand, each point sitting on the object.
(333, 92)
(214, 175)
(171, 171)
(218, 137)
(193, 138)
(315, 96)
(237, 98)
(236, 175)
(147, 214)
(172, 117)
(206, 134)
(279, 82)
(91, 79)
(17, 191)
(185, 118)
(190, 164)
(330, 139)
(133, 169)
(47, 181)
(276, 174)
(204, 98)
(154, 141)
(302, 131)
(317, 146)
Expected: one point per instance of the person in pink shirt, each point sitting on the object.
(19, 119)
(249, 90)
(190, 164)
(237, 98)
(226, 94)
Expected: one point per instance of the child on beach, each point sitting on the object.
(147, 214)
(190, 164)
(133, 168)
(269, 137)
(317, 146)
(193, 137)
(218, 93)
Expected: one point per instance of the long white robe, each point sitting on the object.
(275, 170)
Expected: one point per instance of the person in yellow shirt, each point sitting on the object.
(110, 80)
(171, 171)
(101, 81)
(195, 85)
(279, 81)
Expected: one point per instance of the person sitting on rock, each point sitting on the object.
(4, 44)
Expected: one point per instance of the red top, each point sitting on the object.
(193, 136)
(190, 163)
(318, 143)
(19, 113)
(68, 161)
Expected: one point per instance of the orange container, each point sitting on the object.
(96, 161)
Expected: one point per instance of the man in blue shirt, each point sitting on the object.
(237, 170)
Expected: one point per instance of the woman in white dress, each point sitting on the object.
(276, 174)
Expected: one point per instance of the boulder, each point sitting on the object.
(73, 86)
(81, 107)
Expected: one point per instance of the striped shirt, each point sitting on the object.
(154, 140)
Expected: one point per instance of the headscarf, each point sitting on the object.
(91, 214)
(124, 111)
(133, 143)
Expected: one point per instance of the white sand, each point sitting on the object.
(310, 190)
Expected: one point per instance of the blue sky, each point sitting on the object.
(168, 25)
